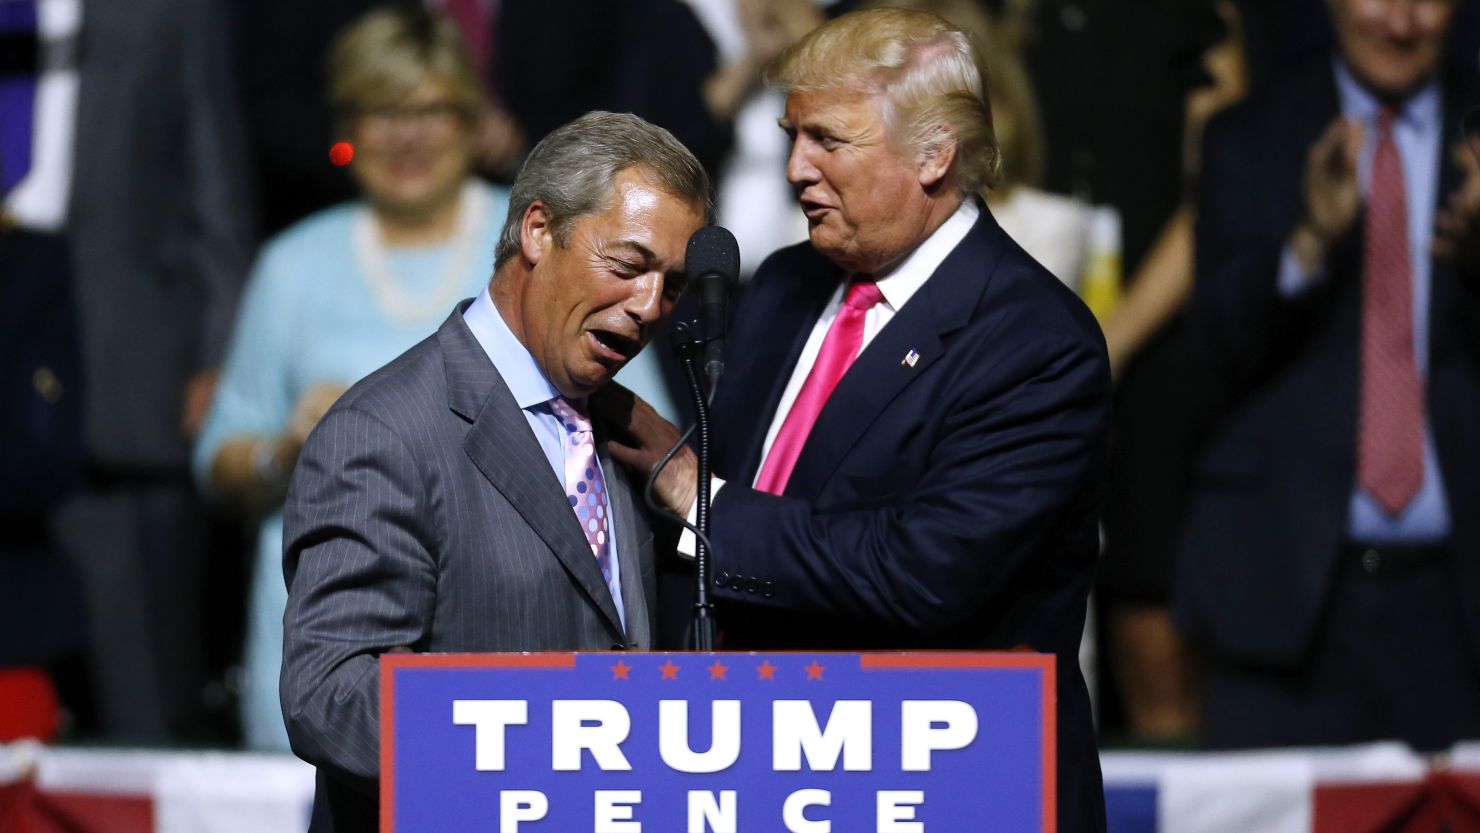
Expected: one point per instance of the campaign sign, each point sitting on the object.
(717, 743)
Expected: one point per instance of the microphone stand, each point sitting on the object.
(689, 341)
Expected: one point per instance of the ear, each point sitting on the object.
(937, 156)
(535, 234)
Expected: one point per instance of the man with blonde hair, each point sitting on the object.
(911, 430)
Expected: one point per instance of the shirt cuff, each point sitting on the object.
(688, 543)
(1293, 280)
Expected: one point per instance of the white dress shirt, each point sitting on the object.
(898, 285)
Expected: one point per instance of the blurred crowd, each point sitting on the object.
(188, 281)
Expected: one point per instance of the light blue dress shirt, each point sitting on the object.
(533, 392)
(1418, 132)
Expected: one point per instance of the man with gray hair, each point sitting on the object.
(458, 499)
(912, 424)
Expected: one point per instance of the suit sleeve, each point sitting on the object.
(361, 581)
(1020, 461)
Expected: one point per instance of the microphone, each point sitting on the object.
(712, 261)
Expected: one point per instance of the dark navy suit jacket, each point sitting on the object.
(1268, 515)
(951, 503)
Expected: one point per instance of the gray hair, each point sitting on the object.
(572, 170)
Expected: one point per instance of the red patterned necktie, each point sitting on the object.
(1390, 423)
(839, 349)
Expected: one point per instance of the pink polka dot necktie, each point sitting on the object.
(1390, 420)
(584, 485)
(841, 346)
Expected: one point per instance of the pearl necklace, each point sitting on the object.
(386, 290)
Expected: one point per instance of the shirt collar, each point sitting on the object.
(513, 361)
(1420, 110)
(900, 283)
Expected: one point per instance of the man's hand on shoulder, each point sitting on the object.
(639, 438)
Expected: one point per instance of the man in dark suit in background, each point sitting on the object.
(137, 174)
(942, 491)
(1332, 548)
(456, 500)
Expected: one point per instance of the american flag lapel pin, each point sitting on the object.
(910, 358)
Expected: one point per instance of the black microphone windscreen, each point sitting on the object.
(713, 250)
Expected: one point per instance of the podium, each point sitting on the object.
(718, 743)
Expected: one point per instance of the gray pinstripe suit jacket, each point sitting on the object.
(423, 513)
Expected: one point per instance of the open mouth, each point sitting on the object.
(614, 346)
(814, 210)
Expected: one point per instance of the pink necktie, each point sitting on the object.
(839, 349)
(1390, 422)
(584, 484)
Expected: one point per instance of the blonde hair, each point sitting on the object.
(388, 52)
(926, 70)
(1015, 118)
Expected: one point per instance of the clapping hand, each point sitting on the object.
(1457, 224)
(1333, 197)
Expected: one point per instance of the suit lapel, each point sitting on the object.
(881, 372)
(637, 596)
(751, 393)
(500, 444)
(1343, 293)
